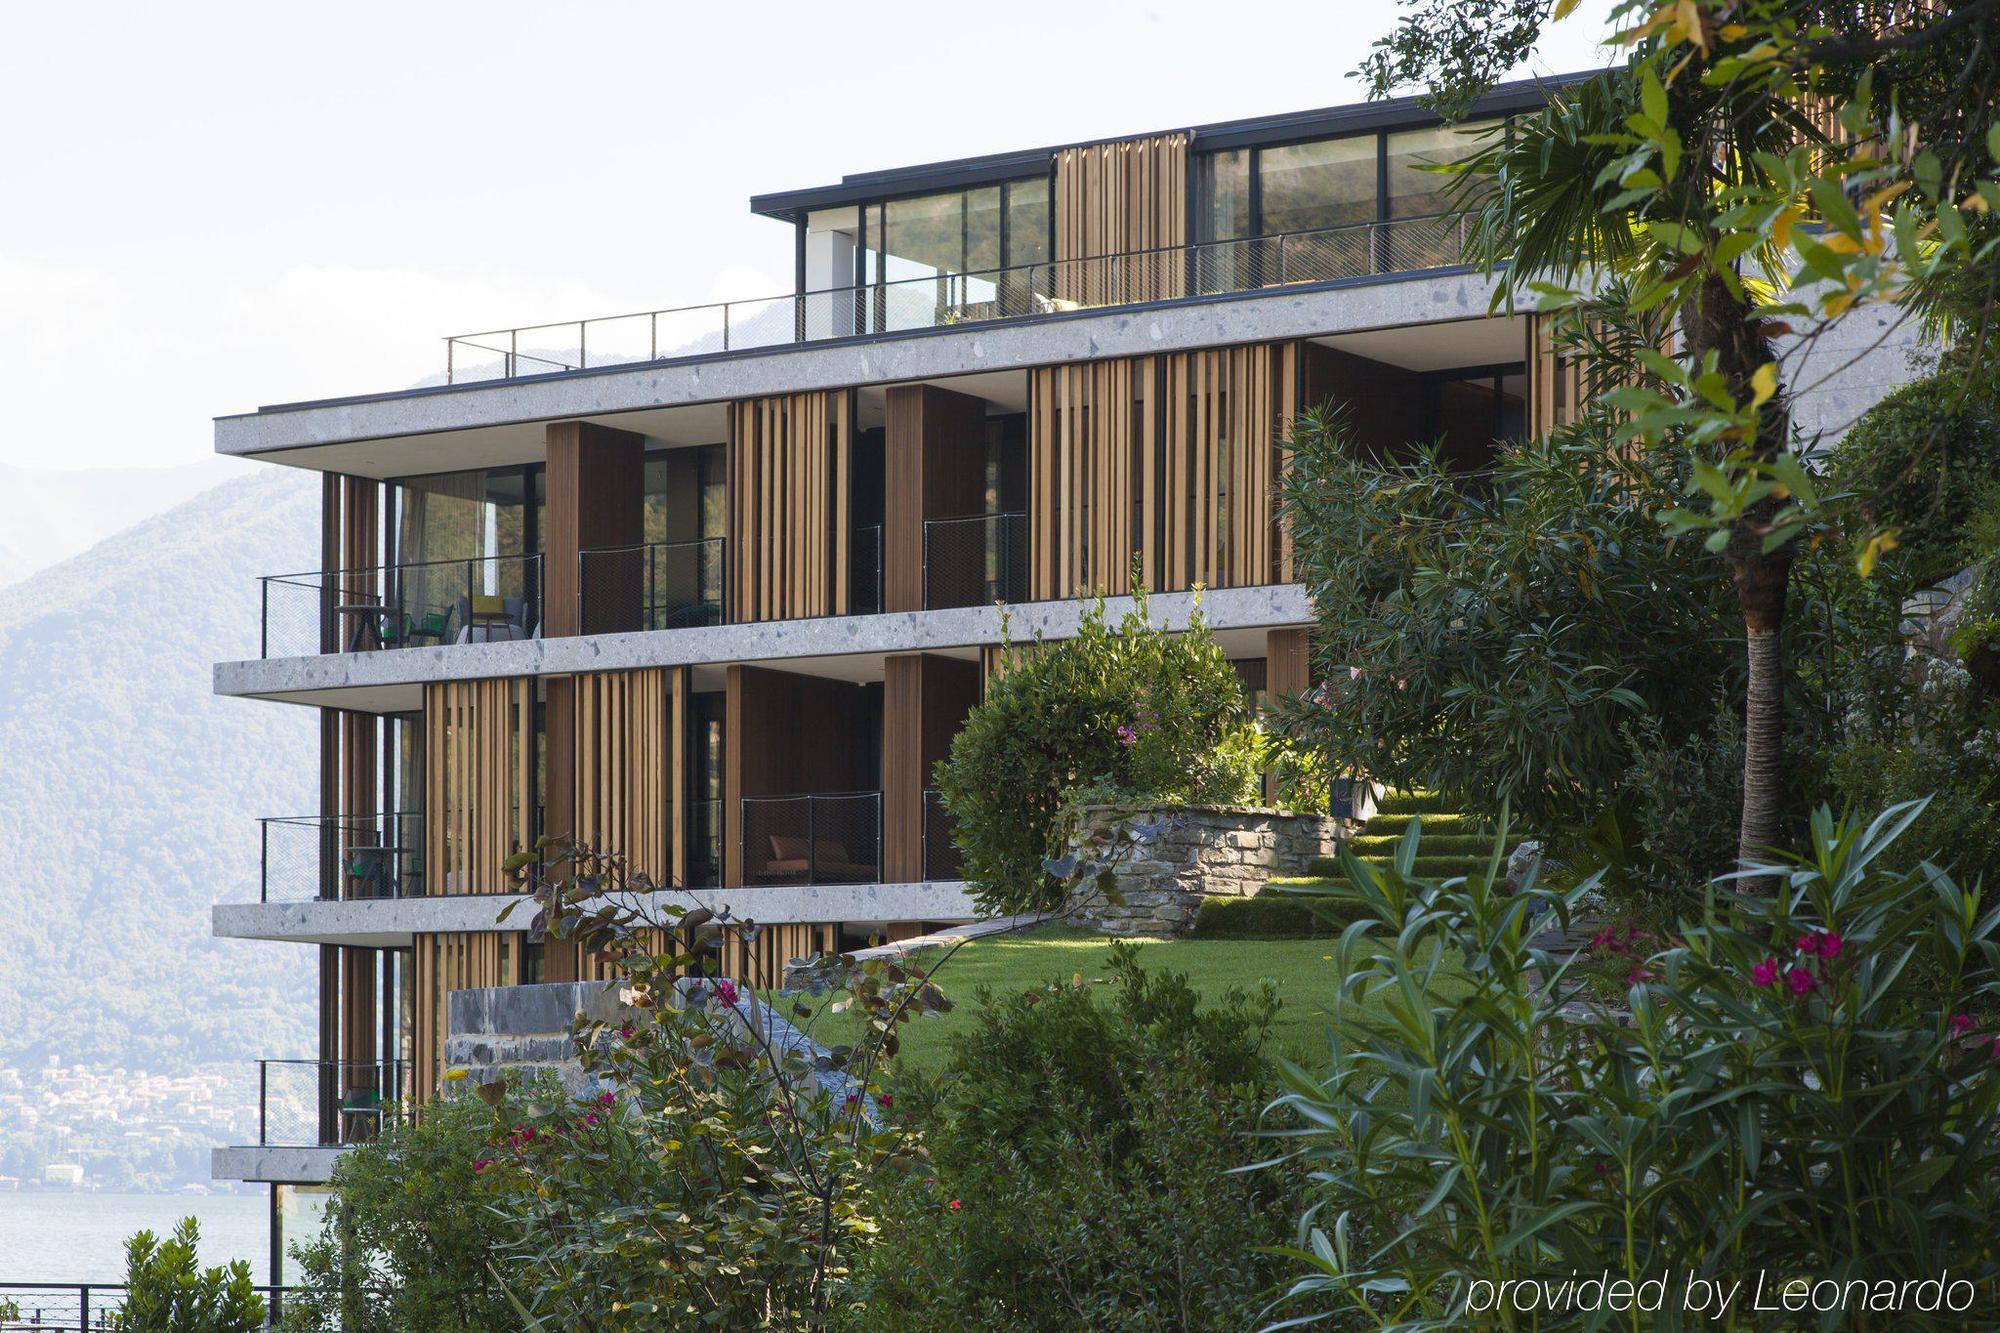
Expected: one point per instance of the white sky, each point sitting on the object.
(208, 206)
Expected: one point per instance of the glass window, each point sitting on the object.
(1028, 222)
(982, 230)
(466, 535)
(1415, 190)
(1308, 186)
(923, 236)
(1222, 195)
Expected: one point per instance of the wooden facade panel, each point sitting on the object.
(790, 479)
(1092, 468)
(442, 964)
(934, 466)
(479, 745)
(596, 482)
(1118, 199)
(1225, 417)
(925, 697)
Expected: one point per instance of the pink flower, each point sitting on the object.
(606, 1099)
(626, 1032)
(1354, 673)
(1829, 945)
(1996, 1048)
(481, 1163)
(1127, 736)
(1808, 944)
(725, 991)
(590, 1119)
(1799, 980)
(1637, 975)
(1765, 973)
(953, 1205)
(886, 1101)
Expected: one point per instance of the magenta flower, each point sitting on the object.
(626, 1032)
(953, 1205)
(1996, 1047)
(1830, 944)
(1799, 980)
(886, 1101)
(725, 991)
(1808, 944)
(1765, 973)
(1127, 736)
(1637, 975)
(481, 1163)
(605, 1099)
(1961, 1024)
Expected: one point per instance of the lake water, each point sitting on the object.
(55, 1237)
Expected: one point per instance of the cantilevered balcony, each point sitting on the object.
(947, 299)
(326, 1103)
(340, 858)
(975, 561)
(488, 599)
(660, 585)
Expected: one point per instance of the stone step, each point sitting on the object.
(1425, 867)
(1410, 802)
(1428, 843)
(1443, 821)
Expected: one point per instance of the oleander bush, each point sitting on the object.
(408, 1233)
(1083, 1146)
(1124, 711)
(1804, 1084)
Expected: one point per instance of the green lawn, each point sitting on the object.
(1302, 970)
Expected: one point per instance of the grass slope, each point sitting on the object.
(1302, 970)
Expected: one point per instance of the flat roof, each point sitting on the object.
(1290, 127)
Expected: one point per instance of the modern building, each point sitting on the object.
(715, 587)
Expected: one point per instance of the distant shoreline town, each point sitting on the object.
(84, 1129)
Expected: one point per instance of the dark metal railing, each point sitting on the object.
(658, 585)
(339, 858)
(942, 859)
(824, 838)
(704, 861)
(975, 561)
(1327, 254)
(85, 1307)
(327, 1103)
(478, 600)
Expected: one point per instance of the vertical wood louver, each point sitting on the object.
(479, 742)
(630, 793)
(1117, 199)
(1562, 379)
(442, 964)
(789, 485)
(1173, 459)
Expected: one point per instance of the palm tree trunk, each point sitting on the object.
(1718, 321)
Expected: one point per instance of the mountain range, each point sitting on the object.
(131, 793)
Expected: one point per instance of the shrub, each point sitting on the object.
(1686, 797)
(407, 1234)
(1119, 712)
(1081, 1169)
(167, 1290)
(1922, 461)
(1791, 1094)
(1489, 636)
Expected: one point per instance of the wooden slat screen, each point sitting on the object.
(479, 747)
(1225, 412)
(630, 729)
(1562, 383)
(1115, 199)
(1092, 436)
(442, 964)
(789, 483)
(1174, 458)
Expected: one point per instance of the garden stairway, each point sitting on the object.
(1452, 843)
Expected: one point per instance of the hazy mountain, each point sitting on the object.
(130, 792)
(48, 515)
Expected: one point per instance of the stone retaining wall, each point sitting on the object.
(1205, 851)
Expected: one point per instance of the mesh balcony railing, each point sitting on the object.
(340, 857)
(481, 600)
(326, 1103)
(834, 838)
(1210, 268)
(660, 585)
(975, 561)
(942, 859)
